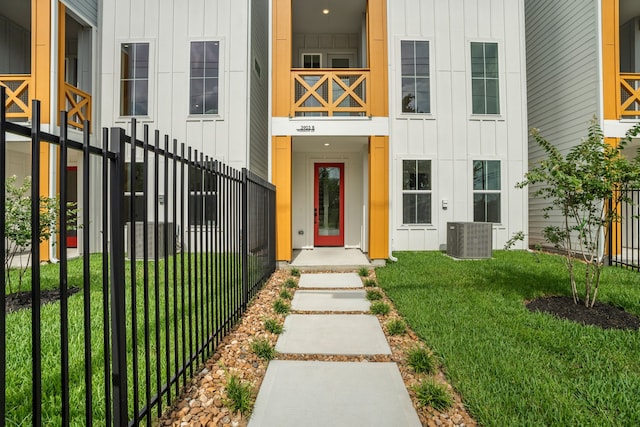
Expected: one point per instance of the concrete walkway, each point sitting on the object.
(317, 393)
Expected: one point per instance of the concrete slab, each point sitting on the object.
(346, 334)
(322, 300)
(319, 258)
(330, 280)
(337, 394)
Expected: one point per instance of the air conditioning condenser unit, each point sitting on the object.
(470, 240)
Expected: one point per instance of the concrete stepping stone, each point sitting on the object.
(330, 280)
(337, 394)
(327, 300)
(338, 334)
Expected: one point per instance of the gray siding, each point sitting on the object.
(259, 89)
(88, 9)
(15, 48)
(562, 81)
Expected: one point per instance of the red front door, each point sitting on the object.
(328, 206)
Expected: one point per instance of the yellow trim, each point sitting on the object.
(378, 58)
(282, 179)
(41, 56)
(611, 59)
(379, 197)
(282, 39)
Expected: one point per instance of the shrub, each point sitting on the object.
(281, 307)
(431, 393)
(396, 327)
(285, 294)
(239, 395)
(380, 307)
(290, 283)
(295, 272)
(263, 349)
(363, 272)
(421, 360)
(370, 283)
(373, 295)
(273, 326)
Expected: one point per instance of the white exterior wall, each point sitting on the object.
(451, 137)
(169, 26)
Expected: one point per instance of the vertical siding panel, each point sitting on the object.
(122, 19)
(471, 18)
(136, 19)
(151, 20)
(427, 18)
(497, 10)
(484, 19)
(196, 22)
(445, 113)
(210, 17)
(457, 39)
(412, 20)
(180, 39)
(443, 58)
(487, 137)
(165, 40)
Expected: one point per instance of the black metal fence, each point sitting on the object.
(174, 245)
(624, 236)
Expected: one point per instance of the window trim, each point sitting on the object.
(431, 115)
(500, 191)
(303, 54)
(221, 83)
(402, 192)
(501, 81)
(151, 82)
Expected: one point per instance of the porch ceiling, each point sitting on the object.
(629, 9)
(342, 144)
(18, 11)
(344, 16)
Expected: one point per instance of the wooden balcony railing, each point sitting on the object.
(330, 92)
(17, 102)
(78, 105)
(629, 95)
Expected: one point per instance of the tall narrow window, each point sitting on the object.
(134, 79)
(205, 70)
(484, 78)
(486, 191)
(202, 197)
(416, 191)
(415, 76)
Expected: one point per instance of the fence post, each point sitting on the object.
(3, 332)
(245, 238)
(118, 320)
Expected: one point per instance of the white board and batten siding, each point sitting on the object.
(451, 136)
(563, 82)
(169, 27)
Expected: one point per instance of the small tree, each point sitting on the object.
(579, 185)
(18, 224)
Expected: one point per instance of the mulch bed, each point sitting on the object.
(603, 315)
(21, 300)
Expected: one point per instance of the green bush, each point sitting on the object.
(421, 360)
(285, 294)
(431, 393)
(273, 326)
(281, 307)
(396, 327)
(374, 295)
(369, 283)
(239, 395)
(290, 283)
(363, 271)
(295, 272)
(263, 349)
(380, 307)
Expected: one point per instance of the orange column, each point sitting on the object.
(611, 59)
(41, 45)
(281, 58)
(379, 197)
(378, 58)
(282, 179)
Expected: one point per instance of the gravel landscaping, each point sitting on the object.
(203, 402)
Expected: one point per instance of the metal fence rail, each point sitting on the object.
(174, 245)
(624, 235)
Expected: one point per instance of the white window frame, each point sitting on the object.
(499, 191)
(151, 81)
(402, 192)
(401, 113)
(501, 81)
(221, 87)
(303, 54)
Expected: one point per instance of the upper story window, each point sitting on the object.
(311, 60)
(416, 191)
(202, 197)
(205, 81)
(486, 191)
(485, 92)
(134, 79)
(415, 76)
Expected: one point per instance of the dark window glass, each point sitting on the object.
(204, 84)
(134, 79)
(414, 68)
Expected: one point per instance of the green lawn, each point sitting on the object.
(18, 390)
(511, 366)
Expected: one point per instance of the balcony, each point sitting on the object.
(18, 103)
(330, 92)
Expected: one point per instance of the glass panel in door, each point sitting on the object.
(329, 204)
